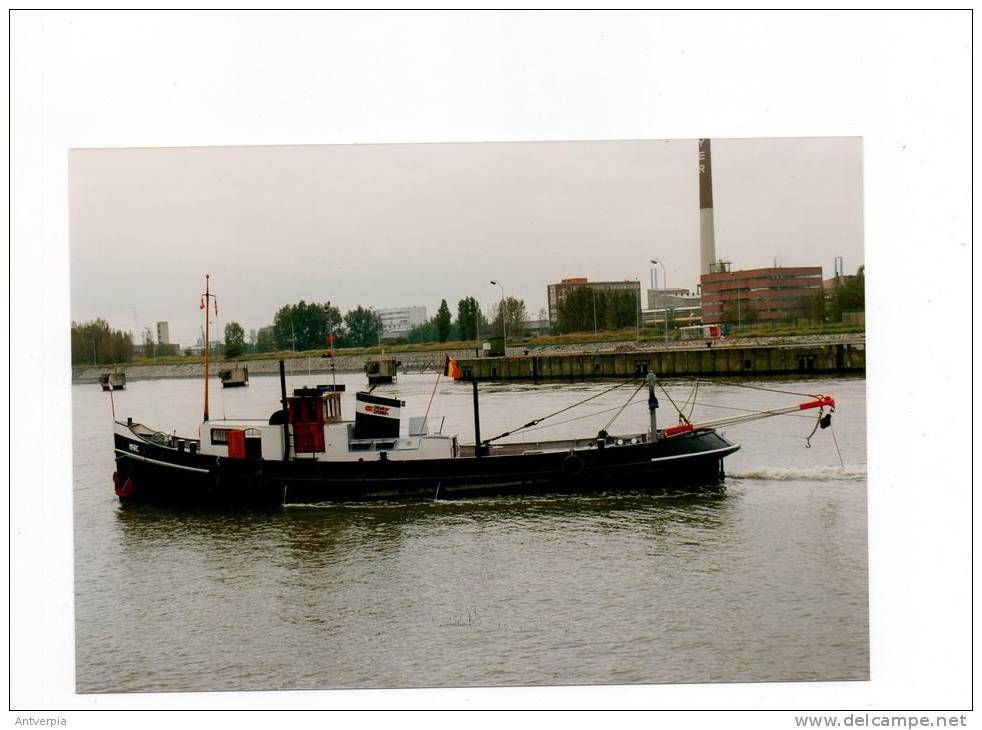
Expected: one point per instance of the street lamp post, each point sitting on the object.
(664, 286)
(504, 324)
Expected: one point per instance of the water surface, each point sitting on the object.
(766, 582)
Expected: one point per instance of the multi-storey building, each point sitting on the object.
(397, 321)
(767, 295)
(163, 333)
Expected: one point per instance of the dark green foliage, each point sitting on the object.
(442, 321)
(586, 308)
(303, 326)
(266, 339)
(849, 295)
(234, 339)
(148, 347)
(515, 313)
(363, 328)
(469, 319)
(95, 343)
(425, 332)
(576, 311)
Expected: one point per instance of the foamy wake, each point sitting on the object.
(808, 474)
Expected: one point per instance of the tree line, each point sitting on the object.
(96, 343)
(306, 326)
(309, 326)
(586, 309)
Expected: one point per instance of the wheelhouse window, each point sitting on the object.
(219, 436)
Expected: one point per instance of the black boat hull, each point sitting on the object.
(150, 473)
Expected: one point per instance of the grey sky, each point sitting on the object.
(399, 225)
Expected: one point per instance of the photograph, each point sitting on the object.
(465, 415)
(444, 362)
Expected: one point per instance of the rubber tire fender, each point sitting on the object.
(573, 465)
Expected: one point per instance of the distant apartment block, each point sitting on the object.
(163, 333)
(768, 295)
(557, 293)
(397, 321)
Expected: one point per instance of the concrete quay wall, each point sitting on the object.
(666, 362)
(411, 362)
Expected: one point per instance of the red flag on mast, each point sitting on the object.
(202, 305)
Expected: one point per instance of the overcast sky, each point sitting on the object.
(402, 224)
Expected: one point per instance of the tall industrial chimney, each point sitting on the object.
(707, 233)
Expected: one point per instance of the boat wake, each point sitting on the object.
(851, 472)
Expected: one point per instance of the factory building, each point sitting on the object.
(764, 295)
(398, 321)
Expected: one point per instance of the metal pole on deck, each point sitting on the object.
(652, 380)
(286, 420)
(477, 423)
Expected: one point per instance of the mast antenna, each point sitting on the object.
(204, 305)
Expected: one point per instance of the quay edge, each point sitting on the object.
(810, 359)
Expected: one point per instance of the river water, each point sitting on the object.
(766, 582)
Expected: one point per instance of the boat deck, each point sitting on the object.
(535, 447)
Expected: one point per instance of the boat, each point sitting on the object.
(114, 380)
(381, 371)
(234, 377)
(306, 452)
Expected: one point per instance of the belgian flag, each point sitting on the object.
(451, 368)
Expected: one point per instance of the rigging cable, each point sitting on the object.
(692, 406)
(621, 409)
(749, 410)
(818, 422)
(758, 387)
(537, 421)
(578, 418)
(836, 442)
(427, 414)
(682, 417)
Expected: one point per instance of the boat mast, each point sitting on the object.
(652, 380)
(207, 296)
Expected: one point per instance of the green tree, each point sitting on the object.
(443, 321)
(515, 315)
(266, 339)
(850, 294)
(363, 327)
(469, 318)
(425, 332)
(576, 310)
(623, 304)
(148, 347)
(97, 343)
(234, 339)
(304, 326)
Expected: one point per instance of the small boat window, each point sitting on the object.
(219, 436)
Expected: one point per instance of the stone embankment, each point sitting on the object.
(433, 360)
(411, 361)
(744, 357)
